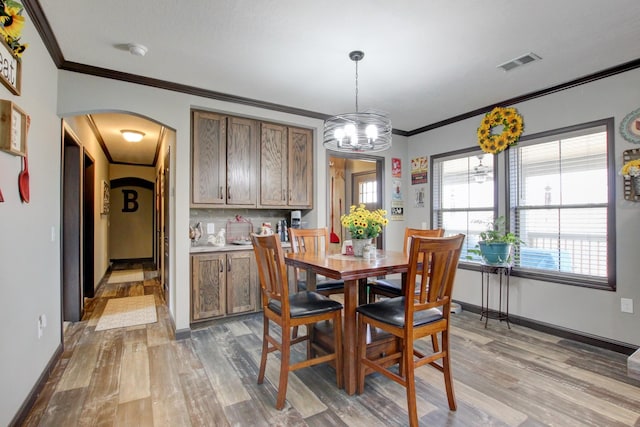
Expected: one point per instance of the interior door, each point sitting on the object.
(88, 251)
(357, 178)
(72, 298)
(166, 185)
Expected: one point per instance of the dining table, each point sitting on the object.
(354, 271)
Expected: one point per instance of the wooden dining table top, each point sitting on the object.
(354, 271)
(349, 267)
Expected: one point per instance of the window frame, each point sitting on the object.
(609, 282)
(465, 152)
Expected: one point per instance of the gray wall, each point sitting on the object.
(584, 310)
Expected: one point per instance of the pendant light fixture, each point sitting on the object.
(368, 131)
(480, 172)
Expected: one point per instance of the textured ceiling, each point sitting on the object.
(425, 61)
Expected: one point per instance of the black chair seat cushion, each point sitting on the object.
(391, 311)
(324, 285)
(305, 303)
(388, 285)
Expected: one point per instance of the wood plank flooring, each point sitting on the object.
(141, 376)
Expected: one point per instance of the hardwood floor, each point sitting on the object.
(141, 376)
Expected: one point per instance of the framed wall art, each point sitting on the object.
(106, 198)
(13, 128)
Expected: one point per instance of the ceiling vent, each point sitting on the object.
(515, 63)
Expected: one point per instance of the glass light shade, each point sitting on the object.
(360, 132)
(132, 135)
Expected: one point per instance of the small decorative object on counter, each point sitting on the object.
(265, 229)
(218, 239)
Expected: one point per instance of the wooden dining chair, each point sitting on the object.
(313, 240)
(393, 287)
(433, 262)
(289, 311)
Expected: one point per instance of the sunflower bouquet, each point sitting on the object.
(363, 223)
(11, 25)
(631, 169)
(512, 127)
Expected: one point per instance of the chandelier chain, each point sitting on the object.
(357, 110)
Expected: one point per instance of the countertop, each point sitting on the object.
(226, 248)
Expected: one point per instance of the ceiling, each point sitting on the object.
(425, 61)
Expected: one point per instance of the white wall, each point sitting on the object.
(588, 311)
(29, 257)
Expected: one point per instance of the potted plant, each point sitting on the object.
(496, 243)
(363, 225)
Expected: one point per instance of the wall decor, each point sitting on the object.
(13, 128)
(630, 127)
(631, 184)
(106, 197)
(11, 70)
(499, 129)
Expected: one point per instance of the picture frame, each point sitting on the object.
(106, 198)
(631, 192)
(11, 70)
(13, 128)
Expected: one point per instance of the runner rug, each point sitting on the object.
(120, 276)
(128, 311)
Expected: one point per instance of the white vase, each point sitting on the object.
(358, 246)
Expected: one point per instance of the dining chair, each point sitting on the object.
(433, 261)
(313, 240)
(393, 287)
(289, 311)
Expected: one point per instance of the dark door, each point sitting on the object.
(166, 185)
(88, 221)
(72, 300)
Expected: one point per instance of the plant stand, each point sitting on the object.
(502, 271)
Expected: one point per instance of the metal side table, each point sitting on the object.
(503, 272)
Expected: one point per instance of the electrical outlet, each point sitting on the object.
(211, 228)
(626, 305)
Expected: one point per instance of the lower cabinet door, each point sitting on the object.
(242, 282)
(208, 286)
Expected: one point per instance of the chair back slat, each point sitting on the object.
(409, 233)
(308, 240)
(313, 240)
(272, 269)
(435, 276)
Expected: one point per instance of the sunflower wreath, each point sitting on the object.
(512, 127)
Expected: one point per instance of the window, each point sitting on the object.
(561, 205)
(464, 189)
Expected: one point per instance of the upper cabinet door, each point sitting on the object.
(242, 147)
(273, 165)
(300, 177)
(208, 158)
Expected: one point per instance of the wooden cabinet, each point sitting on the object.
(223, 283)
(224, 160)
(208, 285)
(286, 167)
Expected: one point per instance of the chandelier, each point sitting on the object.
(368, 131)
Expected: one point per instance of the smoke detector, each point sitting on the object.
(137, 49)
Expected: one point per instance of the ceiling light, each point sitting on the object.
(137, 49)
(132, 135)
(368, 131)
